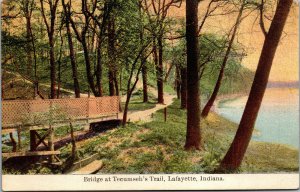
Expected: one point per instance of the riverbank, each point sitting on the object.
(225, 98)
(157, 147)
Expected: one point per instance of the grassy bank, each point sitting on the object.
(157, 147)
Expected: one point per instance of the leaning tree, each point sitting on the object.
(236, 152)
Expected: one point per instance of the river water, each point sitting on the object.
(278, 118)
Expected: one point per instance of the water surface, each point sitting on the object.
(278, 118)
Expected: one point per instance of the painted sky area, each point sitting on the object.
(286, 62)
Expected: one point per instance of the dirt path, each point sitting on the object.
(145, 115)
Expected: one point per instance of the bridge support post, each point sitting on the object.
(32, 140)
(51, 143)
(19, 137)
(13, 141)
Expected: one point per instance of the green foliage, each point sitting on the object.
(178, 163)
(65, 130)
(143, 162)
(212, 154)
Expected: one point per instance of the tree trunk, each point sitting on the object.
(112, 57)
(168, 72)
(28, 45)
(116, 83)
(155, 57)
(193, 137)
(59, 64)
(31, 48)
(236, 152)
(88, 67)
(35, 63)
(99, 69)
(143, 63)
(159, 68)
(111, 83)
(178, 82)
(50, 32)
(145, 83)
(213, 97)
(183, 90)
(72, 59)
(52, 68)
(59, 80)
(130, 91)
(124, 121)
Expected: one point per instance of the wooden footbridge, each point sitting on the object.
(32, 115)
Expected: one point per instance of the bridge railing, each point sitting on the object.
(33, 112)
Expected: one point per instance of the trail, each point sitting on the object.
(145, 115)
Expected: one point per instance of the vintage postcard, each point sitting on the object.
(149, 95)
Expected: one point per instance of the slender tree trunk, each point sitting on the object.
(124, 121)
(52, 68)
(50, 30)
(59, 64)
(144, 68)
(155, 57)
(193, 137)
(178, 82)
(99, 69)
(88, 67)
(160, 82)
(35, 62)
(130, 89)
(59, 80)
(168, 73)
(183, 88)
(72, 59)
(145, 83)
(112, 57)
(28, 45)
(31, 48)
(213, 97)
(236, 152)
